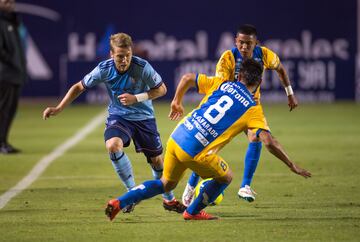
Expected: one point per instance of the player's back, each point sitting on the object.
(221, 116)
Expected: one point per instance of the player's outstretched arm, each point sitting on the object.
(70, 96)
(275, 148)
(284, 78)
(176, 108)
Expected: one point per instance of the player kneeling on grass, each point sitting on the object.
(132, 84)
(227, 109)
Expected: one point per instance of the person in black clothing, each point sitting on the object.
(12, 71)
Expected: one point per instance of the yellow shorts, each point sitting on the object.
(260, 122)
(177, 161)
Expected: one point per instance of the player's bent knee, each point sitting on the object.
(267, 139)
(168, 185)
(155, 161)
(225, 179)
(114, 145)
(252, 136)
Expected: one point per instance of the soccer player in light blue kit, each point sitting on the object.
(131, 83)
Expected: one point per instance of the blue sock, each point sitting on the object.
(251, 160)
(207, 195)
(123, 168)
(157, 173)
(193, 179)
(141, 192)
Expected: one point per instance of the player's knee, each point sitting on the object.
(267, 139)
(252, 137)
(227, 178)
(114, 145)
(156, 161)
(168, 185)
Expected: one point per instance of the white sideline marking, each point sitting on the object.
(48, 159)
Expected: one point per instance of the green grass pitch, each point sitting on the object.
(67, 202)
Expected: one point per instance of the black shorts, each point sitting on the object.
(144, 134)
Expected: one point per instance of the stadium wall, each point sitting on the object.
(317, 41)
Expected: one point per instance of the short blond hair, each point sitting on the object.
(121, 40)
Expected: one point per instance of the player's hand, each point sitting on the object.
(176, 112)
(127, 99)
(50, 111)
(300, 171)
(292, 102)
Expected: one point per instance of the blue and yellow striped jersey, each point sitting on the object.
(227, 109)
(229, 63)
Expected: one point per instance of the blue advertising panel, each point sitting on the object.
(316, 40)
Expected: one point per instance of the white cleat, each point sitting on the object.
(188, 195)
(247, 193)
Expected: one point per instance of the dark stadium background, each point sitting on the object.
(316, 41)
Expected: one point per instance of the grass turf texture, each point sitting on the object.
(67, 202)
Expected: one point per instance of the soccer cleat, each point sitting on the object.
(188, 195)
(174, 205)
(129, 208)
(247, 193)
(202, 215)
(113, 208)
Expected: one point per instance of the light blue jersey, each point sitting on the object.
(140, 77)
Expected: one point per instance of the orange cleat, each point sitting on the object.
(113, 208)
(200, 216)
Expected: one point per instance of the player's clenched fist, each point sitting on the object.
(50, 111)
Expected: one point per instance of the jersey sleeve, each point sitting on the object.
(225, 68)
(206, 84)
(270, 59)
(257, 120)
(93, 78)
(151, 77)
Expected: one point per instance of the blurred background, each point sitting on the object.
(318, 42)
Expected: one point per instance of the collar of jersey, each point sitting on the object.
(118, 72)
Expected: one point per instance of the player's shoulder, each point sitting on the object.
(265, 49)
(139, 62)
(209, 82)
(226, 54)
(105, 68)
(230, 53)
(106, 64)
(207, 78)
(271, 59)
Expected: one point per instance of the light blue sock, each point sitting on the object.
(123, 168)
(207, 195)
(193, 179)
(251, 160)
(157, 173)
(143, 191)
